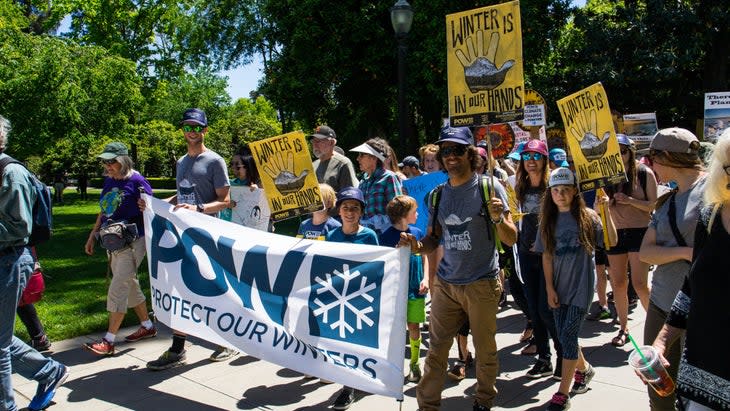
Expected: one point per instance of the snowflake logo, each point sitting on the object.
(342, 301)
(345, 302)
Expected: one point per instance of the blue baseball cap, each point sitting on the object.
(460, 135)
(350, 193)
(195, 116)
(624, 140)
(559, 157)
(515, 154)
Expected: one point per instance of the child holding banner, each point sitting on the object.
(569, 232)
(350, 206)
(402, 211)
(317, 227)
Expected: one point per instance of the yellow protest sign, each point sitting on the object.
(591, 137)
(285, 168)
(484, 64)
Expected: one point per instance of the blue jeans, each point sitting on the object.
(15, 355)
(543, 323)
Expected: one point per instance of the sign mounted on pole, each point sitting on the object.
(484, 64)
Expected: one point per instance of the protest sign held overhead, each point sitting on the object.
(288, 176)
(418, 188)
(535, 113)
(717, 115)
(640, 128)
(591, 138)
(332, 310)
(484, 64)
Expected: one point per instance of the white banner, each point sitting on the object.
(333, 310)
(251, 208)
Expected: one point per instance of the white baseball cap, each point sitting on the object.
(561, 176)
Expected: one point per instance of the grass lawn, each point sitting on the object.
(76, 284)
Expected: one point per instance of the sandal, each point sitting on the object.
(621, 339)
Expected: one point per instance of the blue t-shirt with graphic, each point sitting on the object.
(390, 238)
(119, 199)
(312, 231)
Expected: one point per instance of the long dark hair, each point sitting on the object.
(631, 177)
(582, 214)
(522, 180)
(252, 173)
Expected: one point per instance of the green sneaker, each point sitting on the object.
(168, 359)
(415, 374)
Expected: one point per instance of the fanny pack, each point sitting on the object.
(115, 235)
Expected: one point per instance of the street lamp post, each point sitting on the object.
(401, 16)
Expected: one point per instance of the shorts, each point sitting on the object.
(416, 312)
(629, 241)
(568, 320)
(601, 257)
(124, 291)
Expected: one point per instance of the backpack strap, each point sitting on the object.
(673, 221)
(8, 160)
(435, 198)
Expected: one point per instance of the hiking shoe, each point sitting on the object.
(581, 380)
(558, 374)
(141, 334)
(415, 374)
(603, 313)
(41, 343)
(222, 354)
(559, 402)
(102, 347)
(479, 407)
(458, 371)
(45, 392)
(168, 359)
(542, 368)
(345, 399)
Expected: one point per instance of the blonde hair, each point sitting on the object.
(716, 190)
(328, 195)
(427, 149)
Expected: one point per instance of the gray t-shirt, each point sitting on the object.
(469, 250)
(574, 269)
(668, 278)
(198, 177)
(338, 172)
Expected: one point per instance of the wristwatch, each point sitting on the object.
(200, 208)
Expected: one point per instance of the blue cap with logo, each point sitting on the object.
(460, 135)
(559, 157)
(195, 116)
(350, 193)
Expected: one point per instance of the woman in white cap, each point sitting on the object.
(669, 240)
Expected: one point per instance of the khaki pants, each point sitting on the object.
(451, 305)
(124, 290)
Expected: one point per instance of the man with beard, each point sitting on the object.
(331, 167)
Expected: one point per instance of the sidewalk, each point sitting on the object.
(122, 382)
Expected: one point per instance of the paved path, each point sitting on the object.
(122, 382)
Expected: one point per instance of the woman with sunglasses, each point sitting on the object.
(119, 197)
(668, 242)
(631, 205)
(530, 185)
(245, 175)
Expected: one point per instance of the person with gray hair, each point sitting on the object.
(17, 197)
(118, 202)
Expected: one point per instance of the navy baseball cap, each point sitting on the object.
(460, 135)
(350, 193)
(195, 116)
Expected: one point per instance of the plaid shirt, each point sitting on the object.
(378, 189)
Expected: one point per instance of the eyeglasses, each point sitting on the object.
(109, 162)
(533, 156)
(187, 128)
(457, 150)
(727, 169)
(624, 151)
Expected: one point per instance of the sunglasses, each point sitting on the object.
(109, 162)
(238, 165)
(188, 128)
(457, 150)
(533, 156)
(624, 151)
(727, 169)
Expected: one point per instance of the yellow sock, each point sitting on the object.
(415, 350)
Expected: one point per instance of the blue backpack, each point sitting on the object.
(42, 209)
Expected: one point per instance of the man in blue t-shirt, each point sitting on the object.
(466, 284)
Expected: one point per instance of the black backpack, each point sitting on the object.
(42, 208)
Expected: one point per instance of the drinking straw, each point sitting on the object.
(641, 354)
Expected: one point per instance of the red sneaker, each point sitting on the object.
(141, 334)
(102, 347)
